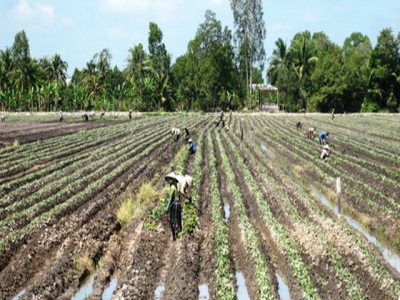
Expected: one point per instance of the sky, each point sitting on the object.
(78, 29)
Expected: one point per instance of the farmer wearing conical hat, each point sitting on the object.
(326, 151)
(176, 132)
(179, 185)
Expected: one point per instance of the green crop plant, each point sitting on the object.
(223, 282)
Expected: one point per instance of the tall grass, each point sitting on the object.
(135, 204)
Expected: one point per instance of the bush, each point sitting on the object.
(369, 106)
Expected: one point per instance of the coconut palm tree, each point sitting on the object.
(58, 70)
(278, 61)
(303, 60)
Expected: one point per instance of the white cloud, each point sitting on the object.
(47, 10)
(116, 33)
(278, 28)
(67, 22)
(141, 6)
(213, 2)
(22, 10)
(309, 17)
(26, 11)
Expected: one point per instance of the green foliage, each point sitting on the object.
(369, 106)
(311, 72)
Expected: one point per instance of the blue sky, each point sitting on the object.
(77, 29)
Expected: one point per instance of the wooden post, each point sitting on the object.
(338, 194)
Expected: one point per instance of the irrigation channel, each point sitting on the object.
(262, 222)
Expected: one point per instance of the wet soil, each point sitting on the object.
(143, 257)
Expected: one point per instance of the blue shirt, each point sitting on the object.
(322, 135)
(192, 147)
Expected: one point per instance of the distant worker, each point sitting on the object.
(3, 118)
(241, 129)
(187, 134)
(176, 132)
(311, 132)
(326, 151)
(102, 113)
(130, 114)
(299, 124)
(323, 136)
(333, 113)
(230, 117)
(85, 117)
(192, 146)
(60, 115)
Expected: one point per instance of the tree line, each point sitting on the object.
(216, 72)
(315, 74)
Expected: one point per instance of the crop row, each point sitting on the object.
(34, 180)
(278, 185)
(373, 263)
(343, 162)
(42, 151)
(85, 171)
(263, 281)
(301, 150)
(223, 282)
(299, 267)
(382, 147)
(110, 174)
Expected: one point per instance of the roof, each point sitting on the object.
(264, 87)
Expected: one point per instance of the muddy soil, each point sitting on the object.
(40, 131)
(142, 256)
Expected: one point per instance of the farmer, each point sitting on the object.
(323, 136)
(221, 116)
(333, 113)
(60, 115)
(187, 134)
(326, 151)
(3, 118)
(130, 114)
(192, 146)
(176, 132)
(85, 117)
(311, 132)
(178, 188)
(102, 113)
(230, 117)
(299, 124)
(241, 129)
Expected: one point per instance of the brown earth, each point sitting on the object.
(143, 258)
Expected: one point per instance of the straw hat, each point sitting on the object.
(181, 180)
(327, 147)
(190, 140)
(171, 176)
(189, 180)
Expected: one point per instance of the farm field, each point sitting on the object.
(262, 221)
